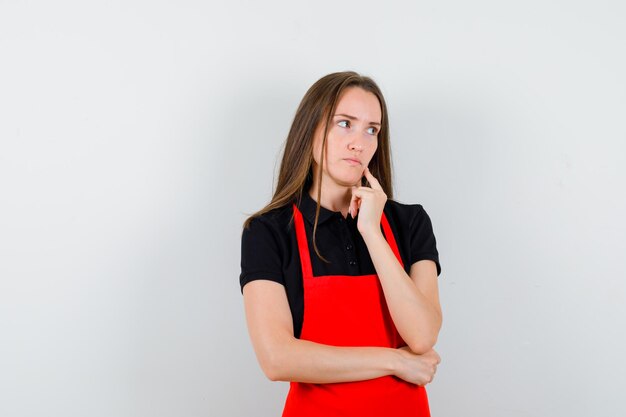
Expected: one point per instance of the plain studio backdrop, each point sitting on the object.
(135, 137)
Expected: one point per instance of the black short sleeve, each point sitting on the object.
(260, 255)
(423, 242)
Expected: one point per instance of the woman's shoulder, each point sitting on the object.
(404, 211)
(398, 205)
(276, 220)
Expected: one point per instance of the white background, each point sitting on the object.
(135, 136)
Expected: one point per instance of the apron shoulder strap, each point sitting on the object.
(391, 238)
(303, 244)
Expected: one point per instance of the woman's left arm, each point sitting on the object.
(412, 299)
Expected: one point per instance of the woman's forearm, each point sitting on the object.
(416, 319)
(305, 361)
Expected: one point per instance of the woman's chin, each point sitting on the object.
(349, 180)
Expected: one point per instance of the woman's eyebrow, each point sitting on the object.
(355, 118)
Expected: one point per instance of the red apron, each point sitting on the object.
(343, 310)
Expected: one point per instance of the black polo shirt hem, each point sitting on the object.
(428, 257)
(252, 276)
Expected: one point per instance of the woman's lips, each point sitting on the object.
(352, 162)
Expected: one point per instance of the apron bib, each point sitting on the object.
(345, 310)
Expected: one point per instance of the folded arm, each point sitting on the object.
(285, 358)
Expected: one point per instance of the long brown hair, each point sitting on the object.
(296, 168)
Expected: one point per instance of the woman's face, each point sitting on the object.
(352, 138)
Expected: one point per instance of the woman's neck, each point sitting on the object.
(333, 198)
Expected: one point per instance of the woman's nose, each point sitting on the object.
(357, 141)
(355, 147)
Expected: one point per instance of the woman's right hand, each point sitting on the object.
(417, 369)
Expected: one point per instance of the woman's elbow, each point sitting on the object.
(422, 346)
(427, 340)
(419, 348)
(271, 373)
(272, 362)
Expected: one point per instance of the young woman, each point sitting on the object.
(340, 281)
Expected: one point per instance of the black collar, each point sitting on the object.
(308, 207)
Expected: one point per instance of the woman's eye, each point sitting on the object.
(344, 123)
(372, 131)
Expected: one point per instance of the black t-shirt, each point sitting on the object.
(269, 247)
